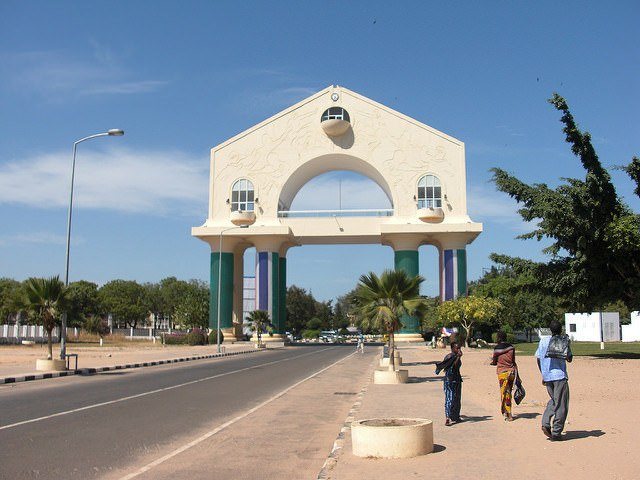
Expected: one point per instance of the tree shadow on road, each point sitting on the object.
(617, 356)
(416, 364)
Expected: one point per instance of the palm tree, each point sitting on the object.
(259, 321)
(45, 299)
(382, 301)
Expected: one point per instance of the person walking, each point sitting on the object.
(360, 346)
(504, 358)
(452, 384)
(553, 367)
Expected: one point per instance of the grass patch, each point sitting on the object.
(591, 349)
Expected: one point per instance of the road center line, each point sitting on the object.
(151, 392)
(218, 429)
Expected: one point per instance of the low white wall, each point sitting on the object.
(631, 333)
(585, 327)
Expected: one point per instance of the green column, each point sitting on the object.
(226, 291)
(407, 260)
(281, 327)
(461, 255)
(275, 291)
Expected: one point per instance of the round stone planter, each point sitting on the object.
(384, 362)
(392, 437)
(390, 377)
(55, 364)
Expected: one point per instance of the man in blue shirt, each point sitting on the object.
(554, 377)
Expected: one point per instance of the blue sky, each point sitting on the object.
(181, 77)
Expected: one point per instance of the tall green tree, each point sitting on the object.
(46, 299)
(595, 249)
(11, 300)
(301, 307)
(468, 312)
(84, 302)
(126, 300)
(524, 306)
(382, 301)
(192, 309)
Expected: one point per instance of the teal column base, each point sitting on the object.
(407, 260)
(226, 291)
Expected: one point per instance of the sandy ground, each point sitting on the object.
(16, 360)
(602, 431)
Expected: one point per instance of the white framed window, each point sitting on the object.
(429, 192)
(242, 196)
(335, 113)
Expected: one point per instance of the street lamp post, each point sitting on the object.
(220, 278)
(114, 132)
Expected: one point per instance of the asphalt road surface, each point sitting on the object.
(85, 427)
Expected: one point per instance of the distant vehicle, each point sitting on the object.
(328, 336)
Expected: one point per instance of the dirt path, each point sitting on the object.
(602, 431)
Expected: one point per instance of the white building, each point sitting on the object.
(631, 333)
(593, 327)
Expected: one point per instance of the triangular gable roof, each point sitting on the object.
(343, 90)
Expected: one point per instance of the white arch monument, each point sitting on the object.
(255, 176)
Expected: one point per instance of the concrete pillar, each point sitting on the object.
(226, 292)
(268, 284)
(282, 277)
(453, 273)
(238, 294)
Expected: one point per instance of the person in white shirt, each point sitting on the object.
(555, 378)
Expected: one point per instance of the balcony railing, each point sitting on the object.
(388, 212)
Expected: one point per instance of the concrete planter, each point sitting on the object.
(392, 437)
(335, 127)
(390, 377)
(55, 365)
(384, 362)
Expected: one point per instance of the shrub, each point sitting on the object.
(344, 332)
(175, 339)
(310, 333)
(213, 337)
(511, 338)
(196, 337)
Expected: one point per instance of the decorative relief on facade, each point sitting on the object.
(401, 151)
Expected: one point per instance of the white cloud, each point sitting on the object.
(116, 178)
(39, 238)
(52, 73)
(486, 203)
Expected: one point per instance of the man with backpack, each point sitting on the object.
(552, 355)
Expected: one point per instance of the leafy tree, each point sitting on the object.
(430, 321)
(324, 311)
(84, 302)
(45, 300)
(171, 292)
(192, 310)
(314, 324)
(11, 300)
(595, 250)
(468, 312)
(126, 300)
(524, 306)
(301, 307)
(259, 322)
(382, 301)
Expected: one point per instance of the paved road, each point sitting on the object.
(116, 417)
